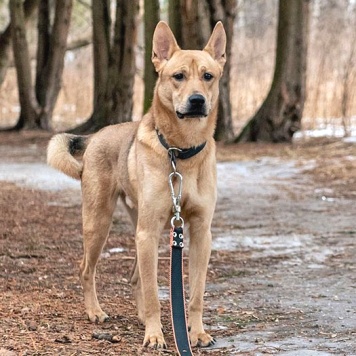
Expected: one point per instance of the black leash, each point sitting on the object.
(178, 314)
(177, 297)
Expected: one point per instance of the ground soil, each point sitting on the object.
(282, 274)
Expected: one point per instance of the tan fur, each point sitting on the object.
(129, 162)
(58, 156)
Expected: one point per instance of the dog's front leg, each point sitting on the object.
(199, 255)
(147, 255)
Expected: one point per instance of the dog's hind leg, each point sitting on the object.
(135, 274)
(99, 201)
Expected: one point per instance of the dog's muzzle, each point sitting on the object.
(196, 107)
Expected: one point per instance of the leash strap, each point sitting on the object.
(178, 314)
(177, 299)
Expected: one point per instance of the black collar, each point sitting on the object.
(181, 153)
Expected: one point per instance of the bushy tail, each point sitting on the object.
(62, 151)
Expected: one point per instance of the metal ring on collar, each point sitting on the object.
(174, 149)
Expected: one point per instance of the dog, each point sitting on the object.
(130, 162)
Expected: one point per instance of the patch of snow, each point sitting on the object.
(332, 129)
(116, 250)
(351, 139)
(37, 176)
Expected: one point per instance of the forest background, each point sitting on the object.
(330, 76)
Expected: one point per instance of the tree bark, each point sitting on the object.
(349, 65)
(37, 104)
(123, 67)
(53, 64)
(101, 48)
(5, 49)
(29, 106)
(151, 18)
(175, 20)
(101, 56)
(196, 24)
(114, 64)
(280, 115)
(43, 44)
(5, 38)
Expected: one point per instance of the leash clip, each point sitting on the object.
(176, 198)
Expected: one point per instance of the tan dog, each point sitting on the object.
(129, 161)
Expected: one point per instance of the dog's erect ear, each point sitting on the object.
(163, 46)
(217, 44)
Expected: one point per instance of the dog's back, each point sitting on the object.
(65, 151)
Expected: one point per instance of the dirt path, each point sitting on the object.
(282, 276)
(296, 276)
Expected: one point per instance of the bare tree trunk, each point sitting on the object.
(199, 18)
(151, 18)
(123, 67)
(101, 58)
(280, 115)
(37, 110)
(5, 38)
(175, 19)
(101, 47)
(114, 65)
(5, 48)
(43, 44)
(349, 65)
(196, 24)
(29, 106)
(53, 67)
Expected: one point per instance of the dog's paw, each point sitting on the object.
(97, 316)
(201, 339)
(154, 340)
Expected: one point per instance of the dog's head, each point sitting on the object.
(188, 83)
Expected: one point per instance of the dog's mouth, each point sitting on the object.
(191, 114)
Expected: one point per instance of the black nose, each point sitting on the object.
(197, 100)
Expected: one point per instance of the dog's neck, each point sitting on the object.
(179, 152)
(182, 132)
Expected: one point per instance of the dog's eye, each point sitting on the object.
(178, 76)
(208, 77)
